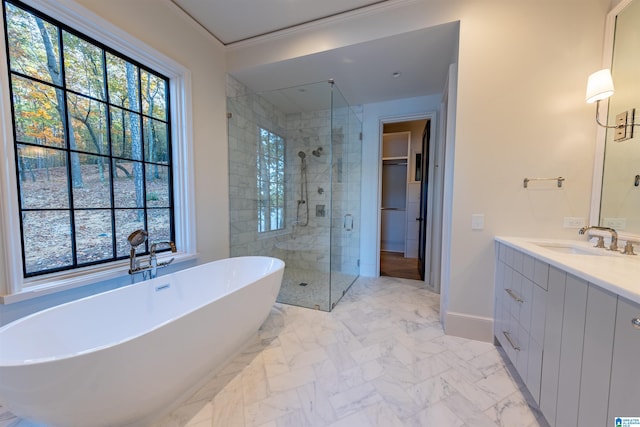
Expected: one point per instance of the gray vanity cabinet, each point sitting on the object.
(552, 344)
(573, 321)
(519, 313)
(575, 344)
(577, 352)
(536, 341)
(624, 393)
(596, 357)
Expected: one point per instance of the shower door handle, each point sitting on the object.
(348, 222)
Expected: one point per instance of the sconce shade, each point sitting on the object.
(599, 86)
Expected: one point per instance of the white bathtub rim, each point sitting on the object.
(30, 362)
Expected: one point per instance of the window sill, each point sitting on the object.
(65, 281)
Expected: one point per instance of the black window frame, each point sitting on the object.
(71, 209)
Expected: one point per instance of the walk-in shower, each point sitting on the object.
(281, 144)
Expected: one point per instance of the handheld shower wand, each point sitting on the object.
(135, 239)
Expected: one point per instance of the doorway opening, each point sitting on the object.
(403, 198)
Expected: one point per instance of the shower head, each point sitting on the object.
(137, 238)
(317, 152)
(301, 154)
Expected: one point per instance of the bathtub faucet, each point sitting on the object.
(136, 239)
(153, 261)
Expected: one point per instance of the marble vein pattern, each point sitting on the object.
(380, 358)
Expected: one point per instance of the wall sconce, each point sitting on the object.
(599, 87)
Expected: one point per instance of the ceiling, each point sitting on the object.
(231, 21)
(363, 72)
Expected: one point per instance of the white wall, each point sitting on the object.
(162, 26)
(520, 112)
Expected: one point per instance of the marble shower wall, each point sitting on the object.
(301, 246)
(308, 132)
(247, 112)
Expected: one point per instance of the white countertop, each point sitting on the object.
(612, 271)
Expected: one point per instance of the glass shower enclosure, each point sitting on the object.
(294, 186)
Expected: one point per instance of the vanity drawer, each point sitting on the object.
(516, 301)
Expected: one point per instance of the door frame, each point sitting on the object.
(432, 116)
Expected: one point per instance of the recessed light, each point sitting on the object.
(396, 74)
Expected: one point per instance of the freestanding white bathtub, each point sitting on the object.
(122, 357)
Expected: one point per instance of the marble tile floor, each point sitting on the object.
(379, 359)
(315, 294)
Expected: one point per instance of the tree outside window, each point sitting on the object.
(270, 180)
(92, 143)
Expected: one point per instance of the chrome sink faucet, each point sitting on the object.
(136, 239)
(614, 236)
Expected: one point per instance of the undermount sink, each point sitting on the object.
(576, 249)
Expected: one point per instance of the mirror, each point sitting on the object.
(620, 194)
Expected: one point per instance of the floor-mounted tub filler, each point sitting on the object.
(123, 356)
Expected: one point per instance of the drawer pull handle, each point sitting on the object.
(508, 337)
(514, 296)
(635, 322)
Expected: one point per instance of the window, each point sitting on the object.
(270, 179)
(92, 142)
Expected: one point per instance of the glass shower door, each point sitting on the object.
(294, 187)
(346, 130)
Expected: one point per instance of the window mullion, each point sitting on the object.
(68, 129)
(109, 154)
(142, 154)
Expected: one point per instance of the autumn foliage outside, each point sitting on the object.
(92, 143)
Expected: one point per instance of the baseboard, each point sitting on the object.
(467, 326)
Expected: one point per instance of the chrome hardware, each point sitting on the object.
(137, 238)
(154, 245)
(599, 243)
(514, 296)
(508, 337)
(636, 322)
(628, 248)
(153, 261)
(348, 222)
(559, 179)
(614, 235)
